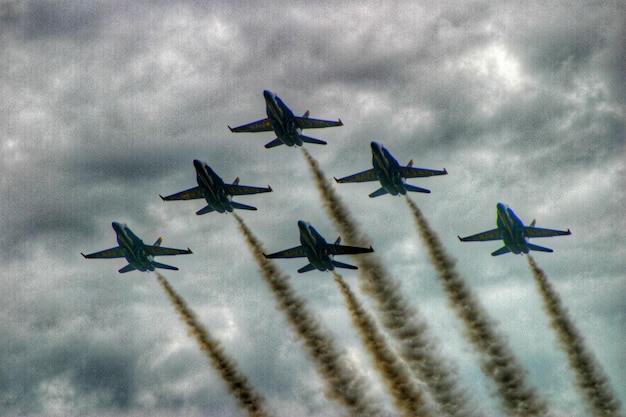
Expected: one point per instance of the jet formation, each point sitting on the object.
(287, 126)
(139, 255)
(390, 173)
(513, 233)
(288, 129)
(217, 194)
(319, 253)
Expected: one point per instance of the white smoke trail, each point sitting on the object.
(237, 383)
(417, 346)
(590, 378)
(343, 382)
(497, 359)
(406, 392)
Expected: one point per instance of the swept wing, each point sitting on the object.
(347, 250)
(262, 125)
(307, 123)
(116, 252)
(410, 172)
(160, 251)
(245, 189)
(536, 232)
(297, 252)
(190, 194)
(369, 175)
(483, 236)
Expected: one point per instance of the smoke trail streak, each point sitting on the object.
(417, 346)
(590, 378)
(497, 359)
(237, 383)
(396, 375)
(343, 382)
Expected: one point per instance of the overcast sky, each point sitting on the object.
(104, 106)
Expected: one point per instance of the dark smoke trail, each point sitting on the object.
(396, 375)
(417, 346)
(497, 360)
(343, 382)
(237, 383)
(590, 378)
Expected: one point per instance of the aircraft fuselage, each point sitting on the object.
(133, 248)
(511, 229)
(387, 170)
(282, 120)
(315, 247)
(212, 187)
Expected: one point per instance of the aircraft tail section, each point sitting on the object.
(342, 265)
(308, 139)
(415, 189)
(306, 268)
(276, 142)
(378, 193)
(241, 206)
(127, 268)
(163, 266)
(205, 210)
(538, 248)
(501, 251)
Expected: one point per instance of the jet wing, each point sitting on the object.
(262, 125)
(307, 123)
(245, 189)
(410, 172)
(297, 252)
(536, 232)
(347, 250)
(369, 175)
(190, 194)
(116, 252)
(161, 251)
(483, 236)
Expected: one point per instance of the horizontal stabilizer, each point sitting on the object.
(276, 142)
(416, 189)
(538, 248)
(342, 265)
(378, 193)
(501, 251)
(312, 140)
(163, 266)
(205, 210)
(306, 268)
(127, 268)
(241, 206)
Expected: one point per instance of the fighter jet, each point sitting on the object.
(217, 194)
(514, 234)
(139, 255)
(391, 175)
(285, 124)
(318, 251)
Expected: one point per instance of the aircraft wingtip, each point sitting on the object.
(189, 250)
(445, 171)
(336, 179)
(459, 238)
(230, 128)
(162, 198)
(83, 255)
(269, 188)
(265, 256)
(340, 122)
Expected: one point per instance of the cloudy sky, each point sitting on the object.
(104, 106)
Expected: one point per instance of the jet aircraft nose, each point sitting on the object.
(269, 96)
(198, 164)
(302, 225)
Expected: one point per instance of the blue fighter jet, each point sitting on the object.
(514, 234)
(285, 124)
(139, 255)
(217, 194)
(318, 251)
(391, 175)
